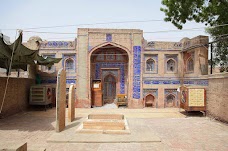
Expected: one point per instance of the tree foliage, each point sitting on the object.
(211, 12)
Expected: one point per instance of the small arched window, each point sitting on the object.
(171, 65)
(190, 64)
(150, 65)
(69, 64)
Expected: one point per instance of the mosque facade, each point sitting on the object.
(121, 62)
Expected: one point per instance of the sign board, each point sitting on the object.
(196, 97)
(192, 99)
(96, 85)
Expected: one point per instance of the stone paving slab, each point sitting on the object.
(176, 130)
(104, 138)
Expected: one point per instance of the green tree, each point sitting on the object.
(211, 12)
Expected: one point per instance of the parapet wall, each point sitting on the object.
(217, 97)
(17, 95)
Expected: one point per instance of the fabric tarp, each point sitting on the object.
(22, 55)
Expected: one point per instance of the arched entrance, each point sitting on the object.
(170, 101)
(150, 101)
(109, 64)
(109, 89)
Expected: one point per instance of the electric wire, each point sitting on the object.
(89, 24)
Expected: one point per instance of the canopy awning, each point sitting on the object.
(22, 56)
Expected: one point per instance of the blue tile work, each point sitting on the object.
(161, 82)
(188, 82)
(111, 65)
(108, 37)
(58, 44)
(136, 71)
(69, 81)
(196, 82)
(154, 92)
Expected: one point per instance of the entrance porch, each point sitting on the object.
(109, 68)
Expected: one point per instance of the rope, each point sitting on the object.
(7, 81)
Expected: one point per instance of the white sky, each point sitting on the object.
(21, 14)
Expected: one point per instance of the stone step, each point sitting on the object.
(104, 124)
(106, 116)
(13, 146)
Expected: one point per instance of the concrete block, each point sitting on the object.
(71, 104)
(60, 100)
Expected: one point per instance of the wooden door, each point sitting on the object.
(109, 89)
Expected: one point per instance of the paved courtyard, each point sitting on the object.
(175, 130)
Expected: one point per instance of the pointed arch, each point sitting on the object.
(121, 86)
(109, 43)
(150, 100)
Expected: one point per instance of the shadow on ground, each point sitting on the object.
(193, 113)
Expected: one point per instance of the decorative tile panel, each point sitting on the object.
(112, 65)
(162, 82)
(58, 44)
(136, 71)
(196, 82)
(69, 81)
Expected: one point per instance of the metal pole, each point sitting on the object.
(211, 57)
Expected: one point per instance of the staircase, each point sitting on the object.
(105, 123)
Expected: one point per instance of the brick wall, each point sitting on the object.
(17, 96)
(217, 97)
